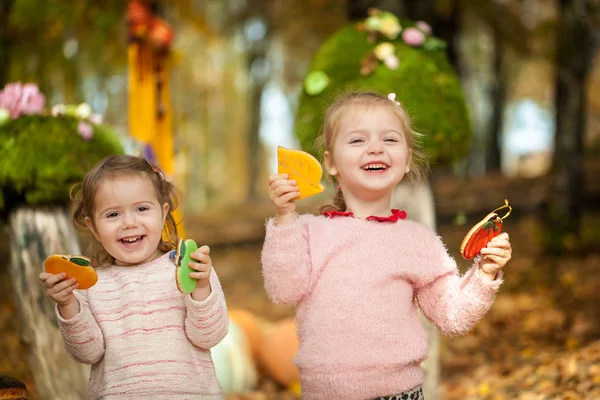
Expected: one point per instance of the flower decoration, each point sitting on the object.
(83, 112)
(17, 99)
(21, 99)
(386, 52)
(382, 28)
(381, 23)
(4, 115)
(413, 37)
(143, 24)
(315, 82)
(368, 64)
(424, 27)
(85, 130)
(390, 26)
(433, 43)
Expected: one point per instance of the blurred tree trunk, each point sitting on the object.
(573, 59)
(257, 31)
(5, 42)
(34, 235)
(498, 95)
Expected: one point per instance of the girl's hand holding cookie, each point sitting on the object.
(59, 289)
(283, 192)
(495, 255)
(202, 264)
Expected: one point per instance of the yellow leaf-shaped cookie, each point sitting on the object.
(301, 167)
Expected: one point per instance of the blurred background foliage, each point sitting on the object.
(530, 74)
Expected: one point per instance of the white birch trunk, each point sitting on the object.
(35, 234)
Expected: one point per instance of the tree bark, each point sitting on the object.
(573, 60)
(35, 234)
(498, 95)
(418, 202)
(258, 48)
(254, 147)
(5, 43)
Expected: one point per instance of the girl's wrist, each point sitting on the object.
(490, 276)
(285, 219)
(201, 293)
(69, 310)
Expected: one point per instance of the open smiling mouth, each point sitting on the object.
(132, 240)
(375, 167)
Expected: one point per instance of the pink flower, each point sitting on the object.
(413, 37)
(424, 27)
(85, 130)
(21, 99)
(96, 119)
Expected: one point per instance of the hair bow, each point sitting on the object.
(392, 97)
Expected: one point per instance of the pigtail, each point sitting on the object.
(338, 203)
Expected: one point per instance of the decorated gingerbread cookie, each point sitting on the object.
(185, 283)
(301, 167)
(484, 231)
(77, 267)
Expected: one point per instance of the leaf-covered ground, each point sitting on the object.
(541, 339)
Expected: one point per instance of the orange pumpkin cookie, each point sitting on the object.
(481, 234)
(77, 267)
(301, 167)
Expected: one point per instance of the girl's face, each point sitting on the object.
(128, 219)
(370, 155)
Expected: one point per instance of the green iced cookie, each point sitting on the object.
(185, 284)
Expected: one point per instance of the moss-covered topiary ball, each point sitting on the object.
(41, 157)
(424, 82)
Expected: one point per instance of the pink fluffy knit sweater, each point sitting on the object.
(355, 283)
(145, 339)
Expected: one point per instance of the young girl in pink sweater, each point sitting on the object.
(143, 338)
(357, 272)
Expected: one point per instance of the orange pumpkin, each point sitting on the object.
(278, 349)
(251, 326)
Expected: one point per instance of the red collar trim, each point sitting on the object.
(396, 215)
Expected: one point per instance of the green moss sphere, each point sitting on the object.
(41, 157)
(425, 83)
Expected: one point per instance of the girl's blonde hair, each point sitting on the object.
(83, 197)
(419, 165)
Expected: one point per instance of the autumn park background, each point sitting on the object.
(506, 92)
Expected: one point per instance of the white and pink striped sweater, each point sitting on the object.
(145, 339)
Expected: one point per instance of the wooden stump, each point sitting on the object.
(417, 201)
(35, 234)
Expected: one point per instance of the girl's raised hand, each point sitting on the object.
(495, 255)
(283, 193)
(59, 289)
(202, 264)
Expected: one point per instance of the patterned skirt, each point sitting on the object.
(412, 394)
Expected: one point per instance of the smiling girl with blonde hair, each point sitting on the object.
(357, 273)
